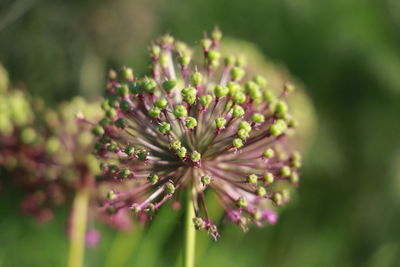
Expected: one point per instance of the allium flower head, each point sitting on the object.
(198, 126)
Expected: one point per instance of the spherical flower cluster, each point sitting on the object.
(196, 126)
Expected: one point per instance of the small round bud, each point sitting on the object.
(184, 60)
(233, 87)
(150, 86)
(294, 178)
(229, 60)
(196, 78)
(111, 113)
(129, 150)
(169, 188)
(168, 85)
(161, 103)
(289, 87)
(176, 145)
(237, 142)
(220, 91)
(237, 73)
(155, 51)
(152, 178)
(195, 156)
(213, 55)
(278, 127)
(180, 111)
(239, 97)
(164, 127)
(281, 108)
(277, 198)
(124, 173)
(220, 123)
(127, 73)
(242, 134)
(120, 123)
(181, 152)
(241, 61)
(252, 179)
(241, 202)
(154, 112)
(141, 154)
(260, 191)
(285, 171)
(167, 40)
(260, 80)
(206, 44)
(124, 105)
(205, 180)
(190, 122)
(216, 34)
(111, 195)
(123, 89)
(258, 118)
(205, 100)
(268, 178)
(268, 153)
(112, 147)
(268, 96)
(198, 222)
(237, 111)
(245, 125)
(98, 130)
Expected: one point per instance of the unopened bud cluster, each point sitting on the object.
(197, 125)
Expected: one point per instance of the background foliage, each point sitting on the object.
(347, 53)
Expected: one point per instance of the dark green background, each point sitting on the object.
(347, 53)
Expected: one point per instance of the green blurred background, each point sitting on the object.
(347, 53)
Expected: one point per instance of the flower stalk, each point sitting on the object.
(78, 227)
(190, 232)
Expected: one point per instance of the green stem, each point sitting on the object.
(78, 227)
(190, 233)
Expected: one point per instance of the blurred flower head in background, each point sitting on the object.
(198, 126)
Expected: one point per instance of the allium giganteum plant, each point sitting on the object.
(196, 127)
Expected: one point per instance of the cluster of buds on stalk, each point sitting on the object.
(203, 126)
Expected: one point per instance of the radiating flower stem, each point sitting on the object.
(78, 227)
(190, 233)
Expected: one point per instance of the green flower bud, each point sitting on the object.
(205, 180)
(268, 153)
(155, 51)
(111, 113)
(52, 145)
(277, 198)
(281, 108)
(190, 122)
(268, 96)
(242, 134)
(260, 80)
(258, 118)
(237, 142)
(185, 60)
(239, 97)
(216, 34)
(120, 123)
(169, 188)
(181, 152)
(164, 127)
(229, 60)
(176, 145)
(241, 61)
(237, 111)
(111, 195)
(198, 223)
(220, 122)
(112, 147)
(125, 172)
(169, 85)
(261, 191)
(289, 87)
(241, 202)
(245, 125)
(233, 88)
(154, 112)
(152, 178)
(252, 179)
(129, 150)
(285, 171)
(205, 100)
(237, 73)
(150, 86)
(195, 156)
(278, 127)
(188, 91)
(141, 154)
(196, 78)
(213, 55)
(294, 178)
(268, 178)
(123, 90)
(124, 105)
(180, 111)
(161, 103)
(220, 91)
(127, 73)
(206, 44)
(98, 130)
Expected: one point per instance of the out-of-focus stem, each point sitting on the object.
(78, 229)
(190, 233)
